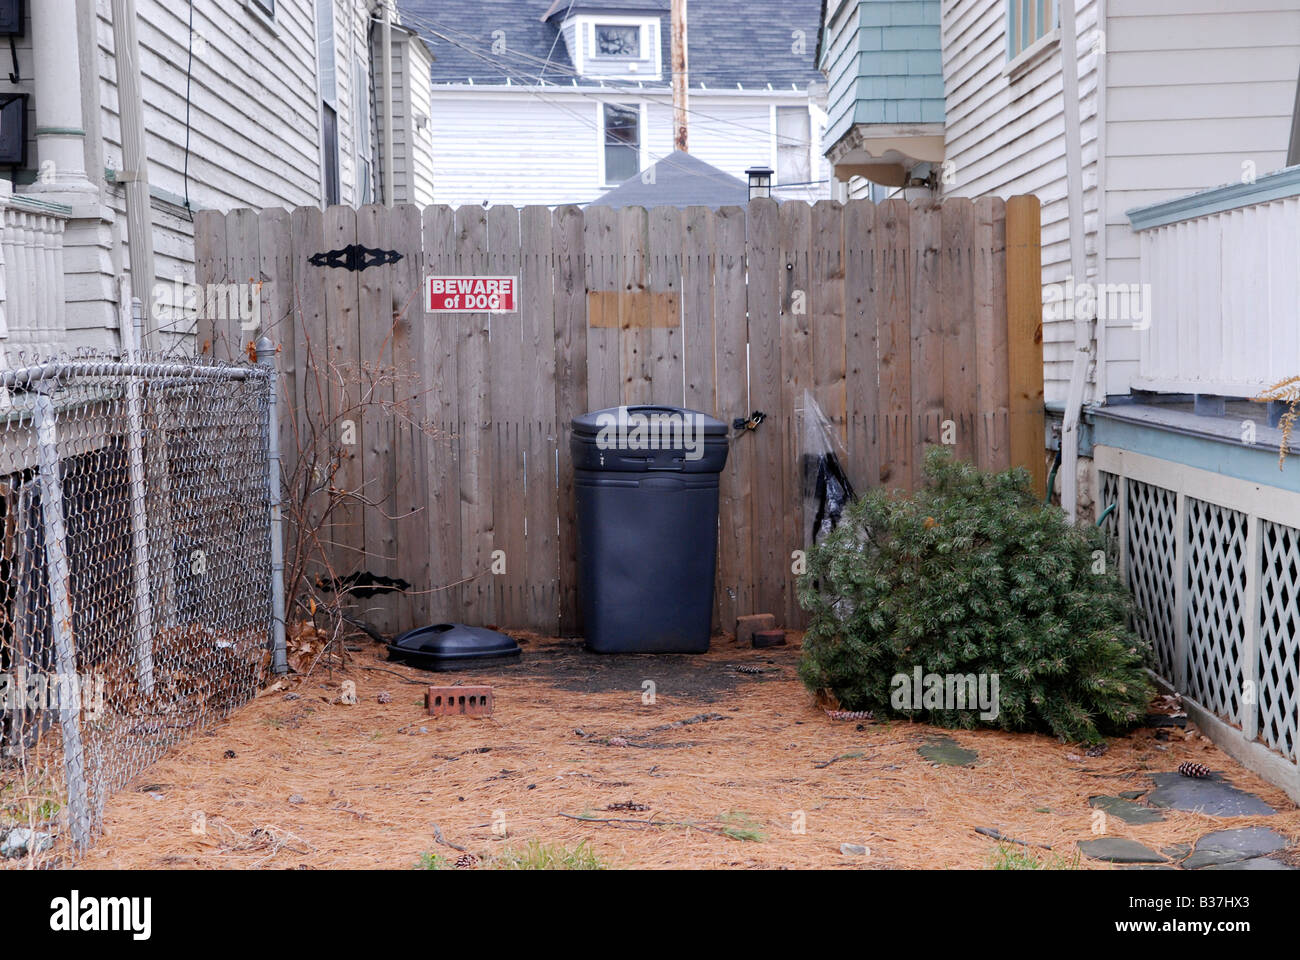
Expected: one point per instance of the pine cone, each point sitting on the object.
(850, 714)
(467, 860)
(1190, 768)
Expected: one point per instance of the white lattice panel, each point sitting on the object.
(1279, 644)
(1150, 531)
(1216, 605)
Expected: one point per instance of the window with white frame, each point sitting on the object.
(361, 110)
(325, 54)
(793, 136)
(1028, 21)
(609, 45)
(621, 124)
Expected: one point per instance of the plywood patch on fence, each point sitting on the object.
(616, 309)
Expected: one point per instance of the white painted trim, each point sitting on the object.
(1268, 503)
(1101, 27)
(772, 151)
(1180, 590)
(642, 136)
(265, 19)
(1248, 720)
(1032, 55)
(1214, 388)
(600, 144)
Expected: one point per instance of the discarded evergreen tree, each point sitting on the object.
(972, 575)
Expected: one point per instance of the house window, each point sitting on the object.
(622, 142)
(618, 41)
(330, 134)
(361, 108)
(793, 134)
(265, 6)
(1027, 22)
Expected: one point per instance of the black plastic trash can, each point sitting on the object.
(646, 491)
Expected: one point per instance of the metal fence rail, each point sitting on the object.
(138, 503)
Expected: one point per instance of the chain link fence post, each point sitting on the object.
(58, 573)
(266, 357)
(140, 567)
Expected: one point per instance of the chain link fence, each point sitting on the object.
(137, 575)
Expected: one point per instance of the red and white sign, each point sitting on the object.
(471, 294)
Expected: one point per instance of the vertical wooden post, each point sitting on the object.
(990, 298)
(893, 314)
(860, 349)
(440, 389)
(681, 83)
(768, 469)
(1025, 338)
(735, 581)
(570, 289)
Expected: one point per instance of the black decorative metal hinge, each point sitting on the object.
(355, 257)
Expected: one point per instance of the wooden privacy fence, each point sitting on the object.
(910, 324)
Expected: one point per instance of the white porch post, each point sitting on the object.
(60, 127)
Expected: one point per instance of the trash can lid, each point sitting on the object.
(592, 423)
(442, 645)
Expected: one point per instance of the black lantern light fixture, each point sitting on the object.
(760, 182)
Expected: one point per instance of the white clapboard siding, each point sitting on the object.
(253, 111)
(528, 145)
(1198, 94)
(1224, 302)
(252, 127)
(250, 119)
(413, 168)
(1005, 136)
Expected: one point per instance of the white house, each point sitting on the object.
(550, 102)
(1163, 140)
(248, 103)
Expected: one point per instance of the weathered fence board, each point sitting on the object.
(909, 324)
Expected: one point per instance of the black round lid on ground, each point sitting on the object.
(443, 644)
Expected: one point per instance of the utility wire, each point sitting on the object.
(436, 28)
(587, 121)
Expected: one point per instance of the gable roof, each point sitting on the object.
(752, 45)
(678, 180)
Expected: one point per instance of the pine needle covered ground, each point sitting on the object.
(720, 771)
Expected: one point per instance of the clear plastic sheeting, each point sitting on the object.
(826, 488)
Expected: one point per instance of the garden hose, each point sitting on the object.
(1051, 477)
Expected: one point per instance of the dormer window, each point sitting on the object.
(614, 47)
(620, 41)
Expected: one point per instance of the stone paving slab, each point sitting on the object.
(1256, 863)
(1211, 796)
(1230, 846)
(1126, 810)
(1119, 850)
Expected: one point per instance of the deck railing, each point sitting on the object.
(1223, 301)
(32, 301)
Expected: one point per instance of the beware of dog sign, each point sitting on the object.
(471, 294)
